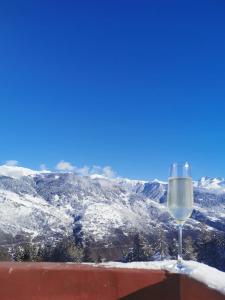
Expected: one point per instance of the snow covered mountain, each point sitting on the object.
(40, 206)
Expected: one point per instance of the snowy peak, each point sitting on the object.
(17, 172)
(216, 184)
(159, 181)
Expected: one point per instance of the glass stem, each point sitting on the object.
(179, 258)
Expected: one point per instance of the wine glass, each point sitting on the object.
(180, 200)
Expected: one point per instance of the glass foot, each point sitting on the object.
(180, 267)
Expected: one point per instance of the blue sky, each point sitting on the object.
(134, 85)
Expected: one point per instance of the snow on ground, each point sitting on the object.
(29, 214)
(100, 218)
(211, 277)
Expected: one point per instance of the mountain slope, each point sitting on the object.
(47, 206)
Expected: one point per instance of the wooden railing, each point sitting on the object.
(59, 281)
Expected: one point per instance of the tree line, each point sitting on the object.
(208, 247)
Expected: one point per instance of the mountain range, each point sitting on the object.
(45, 206)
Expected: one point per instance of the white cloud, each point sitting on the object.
(11, 163)
(96, 170)
(108, 172)
(84, 171)
(64, 166)
(43, 167)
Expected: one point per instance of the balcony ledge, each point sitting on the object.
(67, 281)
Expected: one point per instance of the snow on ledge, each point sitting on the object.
(211, 277)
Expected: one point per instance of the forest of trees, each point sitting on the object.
(64, 251)
(208, 248)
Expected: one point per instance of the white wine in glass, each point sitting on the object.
(180, 199)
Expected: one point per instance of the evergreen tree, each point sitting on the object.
(4, 255)
(87, 252)
(211, 249)
(27, 252)
(189, 249)
(161, 244)
(173, 248)
(64, 251)
(141, 250)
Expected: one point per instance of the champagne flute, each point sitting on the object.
(180, 200)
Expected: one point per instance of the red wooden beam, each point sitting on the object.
(54, 281)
